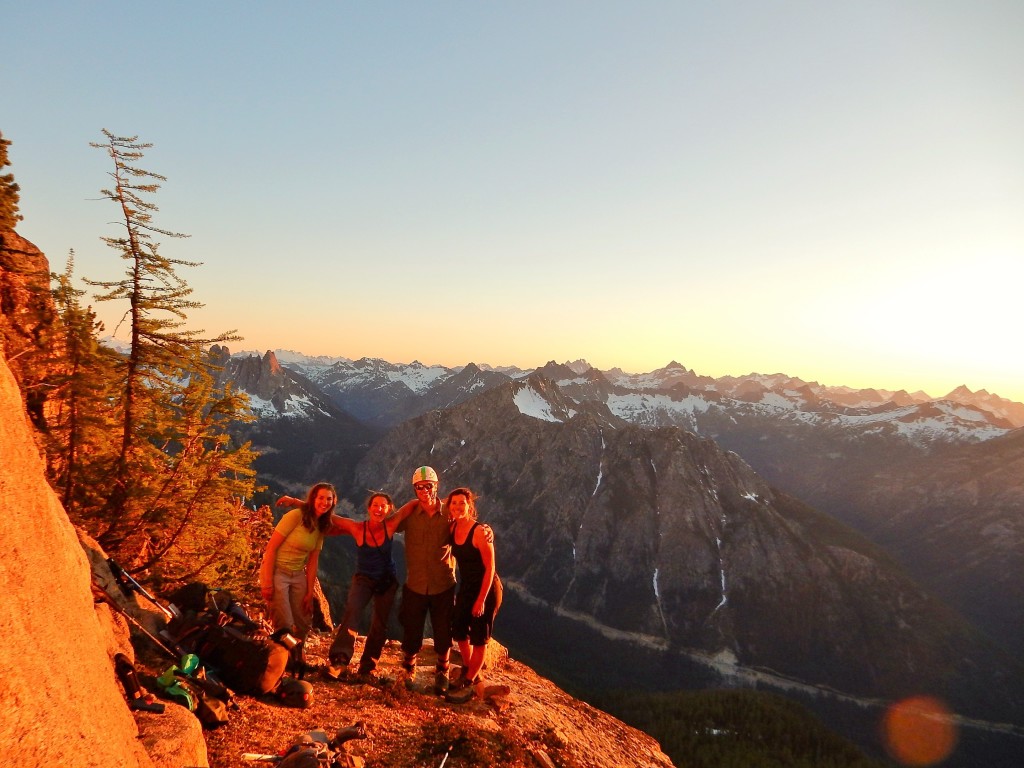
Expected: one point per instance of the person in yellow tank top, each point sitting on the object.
(288, 572)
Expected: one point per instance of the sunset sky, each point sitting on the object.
(830, 190)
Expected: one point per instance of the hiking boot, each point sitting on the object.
(441, 681)
(334, 672)
(460, 695)
(408, 678)
(461, 683)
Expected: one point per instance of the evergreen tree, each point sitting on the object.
(80, 451)
(9, 197)
(175, 470)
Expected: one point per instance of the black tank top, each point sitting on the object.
(471, 564)
(372, 559)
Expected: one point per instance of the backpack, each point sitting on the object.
(248, 663)
(238, 651)
(197, 597)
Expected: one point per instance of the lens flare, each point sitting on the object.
(919, 731)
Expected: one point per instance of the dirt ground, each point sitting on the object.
(533, 724)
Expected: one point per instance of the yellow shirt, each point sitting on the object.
(298, 543)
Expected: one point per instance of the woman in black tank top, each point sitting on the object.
(479, 595)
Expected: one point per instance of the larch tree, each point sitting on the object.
(177, 478)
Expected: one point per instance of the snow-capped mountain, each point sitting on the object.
(660, 539)
(386, 393)
(825, 446)
(568, 455)
(301, 435)
(383, 394)
(296, 360)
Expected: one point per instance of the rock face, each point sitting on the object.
(261, 377)
(670, 541)
(60, 700)
(27, 317)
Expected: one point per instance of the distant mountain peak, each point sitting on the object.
(579, 366)
(271, 363)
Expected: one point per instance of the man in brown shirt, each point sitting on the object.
(430, 577)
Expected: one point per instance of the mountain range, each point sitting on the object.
(746, 530)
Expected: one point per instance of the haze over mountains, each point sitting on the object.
(763, 529)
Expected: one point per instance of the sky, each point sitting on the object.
(834, 191)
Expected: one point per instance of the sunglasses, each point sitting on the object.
(423, 487)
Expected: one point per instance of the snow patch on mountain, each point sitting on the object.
(419, 378)
(929, 428)
(296, 406)
(642, 409)
(580, 381)
(532, 403)
(921, 424)
(790, 401)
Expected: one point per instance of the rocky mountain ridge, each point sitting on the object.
(855, 455)
(301, 435)
(661, 535)
(780, 390)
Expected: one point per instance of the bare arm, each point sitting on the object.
(488, 532)
(342, 526)
(267, 567)
(404, 510)
(290, 502)
(396, 519)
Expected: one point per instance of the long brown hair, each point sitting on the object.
(309, 517)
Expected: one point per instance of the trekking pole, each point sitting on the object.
(101, 593)
(128, 585)
(261, 758)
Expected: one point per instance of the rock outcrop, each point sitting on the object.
(27, 318)
(59, 697)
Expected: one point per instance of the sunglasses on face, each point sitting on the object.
(423, 487)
